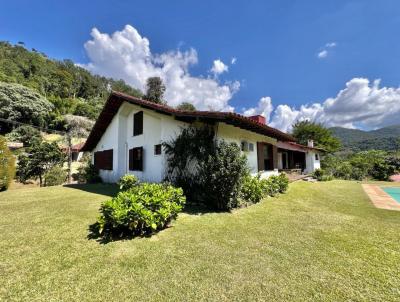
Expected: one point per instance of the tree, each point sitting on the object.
(7, 165)
(39, 159)
(26, 135)
(22, 104)
(155, 90)
(186, 106)
(322, 137)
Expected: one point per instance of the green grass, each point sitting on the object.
(318, 242)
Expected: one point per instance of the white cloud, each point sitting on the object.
(219, 67)
(126, 55)
(360, 104)
(324, 52)
(263, 108)
(233, 60)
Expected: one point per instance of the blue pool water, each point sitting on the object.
(394, 192)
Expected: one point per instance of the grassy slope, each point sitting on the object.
(321, 241)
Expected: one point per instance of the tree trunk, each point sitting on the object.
(40, 180)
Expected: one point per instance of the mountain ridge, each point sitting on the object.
(386, 138)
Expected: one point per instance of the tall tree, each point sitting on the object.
(155, 90)
(322, 137)
(39, 159)
(22, 104)
(186, 106)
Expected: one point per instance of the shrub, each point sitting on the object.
(252, 189)
(221, 176)
(275, 184)
(142, 210)
(321, 175)
(127, 182)
(7, 165)
(88, 173)
(55, 176)
(208, 171)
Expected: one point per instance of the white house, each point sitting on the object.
(128, 135)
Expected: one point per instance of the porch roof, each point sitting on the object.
(292, 146)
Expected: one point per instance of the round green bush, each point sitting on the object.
(127, 182)
(55, 176)
(142, 210)
(252, 189)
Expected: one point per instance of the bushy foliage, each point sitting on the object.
(37, 160)
(26, 135)
(69, 88)
(186, 106)
(142, 210)
(252, 189)
(322, 137)
(78, 126)
(275, 184)
(358, 166)
(221, 176)
(184, 155)
(127, 182)
(88, 173)
(55, 176)
(7, 165)
(321, 175)
(22, 104)
(155, 90)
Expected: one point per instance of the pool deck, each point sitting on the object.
(380, 198)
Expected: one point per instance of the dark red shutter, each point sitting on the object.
(131, 159)
(260, 156)
(104, 159)
(138, 123)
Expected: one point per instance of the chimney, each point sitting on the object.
(258, 118)
(310, 143)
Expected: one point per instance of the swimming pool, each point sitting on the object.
(393, 192)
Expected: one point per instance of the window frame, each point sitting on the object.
(136, 165)
(158, 149)
(138, 123)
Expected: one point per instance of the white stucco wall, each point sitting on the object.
(158, 128)
(109, 140)
(312, 164)
(234, 134)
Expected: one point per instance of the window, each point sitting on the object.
(138, 123)
(157, 149)
(136, 159)
(251, 147)
(265, 156)
(316, 156)
(103, 160)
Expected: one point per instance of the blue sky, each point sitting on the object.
(275, 43)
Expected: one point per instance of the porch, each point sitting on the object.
(281, 157)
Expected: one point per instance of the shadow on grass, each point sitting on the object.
(102, 189)
(94, 234)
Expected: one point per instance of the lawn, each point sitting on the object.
(318, 242)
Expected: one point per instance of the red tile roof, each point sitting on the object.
(116, 99)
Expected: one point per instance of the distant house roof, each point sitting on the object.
(116, 99)
(74, 148)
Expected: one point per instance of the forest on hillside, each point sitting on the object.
(37, 90)
(387, 138)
